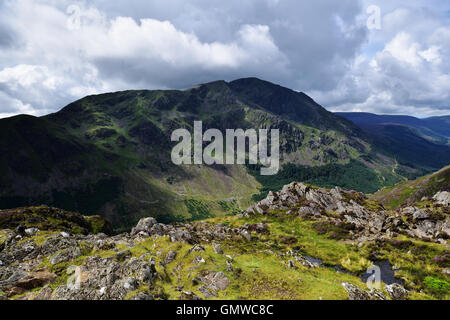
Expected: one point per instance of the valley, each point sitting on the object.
(302, 242)
(110, 154)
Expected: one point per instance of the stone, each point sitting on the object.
(229, 266)
(446, 272)
(376, 295)
(216, 281)
(66, 255)
(35, 279)
(207, 292)
(102, 291)
(171, 255)
(120, 256)
(197, 248)
(31, 231)
(396, 291)
(44, 294)
(420, 214)
(198, 259)
(144, 225)
(140, 296)
(189, 295)
(130, 284)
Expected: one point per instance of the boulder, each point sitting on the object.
(66, 255)
(144, 225)
(442, 197)
(171, 255)
(216, 281)
(44, 294)
(31, 231)
(355, 293)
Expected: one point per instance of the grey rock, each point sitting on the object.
(216, 281)
(355, 293)
(196, 248)
(207, 292)
(44, 294)
(171, 255)
(442, 197)
(31, 231)
(66, 255)
(246, 235)
(229, 266)
(189, 295)
(130, 284)
(218, 249)
(144, 225)
(198, 259)
(396, 291)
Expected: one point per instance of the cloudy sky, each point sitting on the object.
(53, 52)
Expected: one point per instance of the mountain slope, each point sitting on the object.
(440, 125)
(110, 153)
(407, 192)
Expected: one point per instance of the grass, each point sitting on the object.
(413, 190)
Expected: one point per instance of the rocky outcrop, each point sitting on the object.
(443, 198)
(355, 293)
(120, 275)
(397, 291)
(106, 279)
(363, 219)
(195, 233)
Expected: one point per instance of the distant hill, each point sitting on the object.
(412, 141)
(408, 192)
(440, 125)
(434, 129)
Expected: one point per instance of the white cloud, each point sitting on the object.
(53, 52)
(408, 74)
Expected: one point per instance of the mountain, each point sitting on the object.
(434, 129)
(440, 125)
(299, 243)
(109, 154)
(407, 192)
(413, 141)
